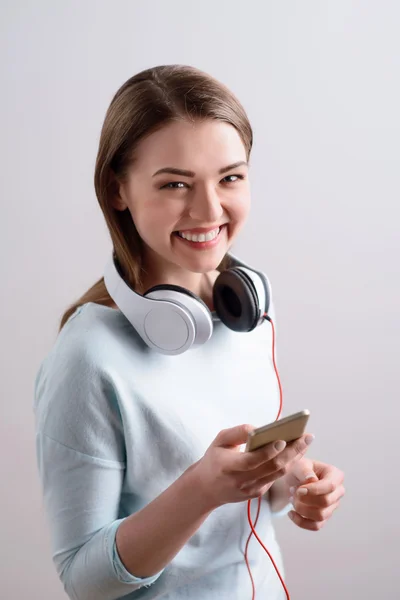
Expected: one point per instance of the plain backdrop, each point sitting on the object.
(320, 82)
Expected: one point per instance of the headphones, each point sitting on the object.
(171, 319)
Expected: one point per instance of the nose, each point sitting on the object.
(205, 206)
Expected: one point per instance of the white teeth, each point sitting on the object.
(202, 237)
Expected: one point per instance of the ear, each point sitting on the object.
(117, 193)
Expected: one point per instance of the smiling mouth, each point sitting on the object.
(200, 240)
(199, 236)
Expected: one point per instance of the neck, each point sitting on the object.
(200, 284)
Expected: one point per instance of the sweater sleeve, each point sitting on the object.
(81, 461)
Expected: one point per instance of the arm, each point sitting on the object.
(97, 555)
(81, 498)
(149, 539)
(81, 459)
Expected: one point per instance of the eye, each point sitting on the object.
(237, 177)
(180, 185)
(174, 185)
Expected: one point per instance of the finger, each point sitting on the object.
(297, 448)
(233, 436)
(305, 523)
(288, 452)
(331, 480)
(248, 486)
(303, 470)
(258, 477)
(314, 513)
(273, 468)
(249, 461)
(324, 500)
(254, 490)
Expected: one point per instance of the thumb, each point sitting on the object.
(304, 472)
(235, 436)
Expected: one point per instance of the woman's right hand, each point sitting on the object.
(225, 474)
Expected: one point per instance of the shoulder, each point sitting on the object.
(91, 338)
(87, 344)
(75, 392)
(89, 330)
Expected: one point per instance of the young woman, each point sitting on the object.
(144, 483)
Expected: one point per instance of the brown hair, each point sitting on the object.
(143, 104)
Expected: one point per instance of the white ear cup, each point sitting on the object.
(199, 315)
(167, 321)
(168, 328)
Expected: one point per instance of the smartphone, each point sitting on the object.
(288, 429)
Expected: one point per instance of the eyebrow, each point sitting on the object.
(184, 173)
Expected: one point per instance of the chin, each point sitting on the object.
(202, 264)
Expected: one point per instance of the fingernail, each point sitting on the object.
(292, 490)
(279, 446)
(311, 476)
(302, 491)
(309, 438)
(291, 514)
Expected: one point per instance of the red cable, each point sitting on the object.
(253, 531)
(248, 541)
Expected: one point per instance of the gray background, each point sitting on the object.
(320, 83)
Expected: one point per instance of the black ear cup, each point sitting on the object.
(177, 288)
(236, 300)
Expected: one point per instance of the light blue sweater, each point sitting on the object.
(117, 423)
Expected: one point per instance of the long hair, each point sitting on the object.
(143, 104)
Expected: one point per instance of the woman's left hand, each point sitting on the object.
(316, 489)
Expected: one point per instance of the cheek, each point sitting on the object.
(240, 210)
(153, 223)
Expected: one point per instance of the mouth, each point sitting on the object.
(203, 240)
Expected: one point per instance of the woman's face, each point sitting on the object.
(184, 182)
